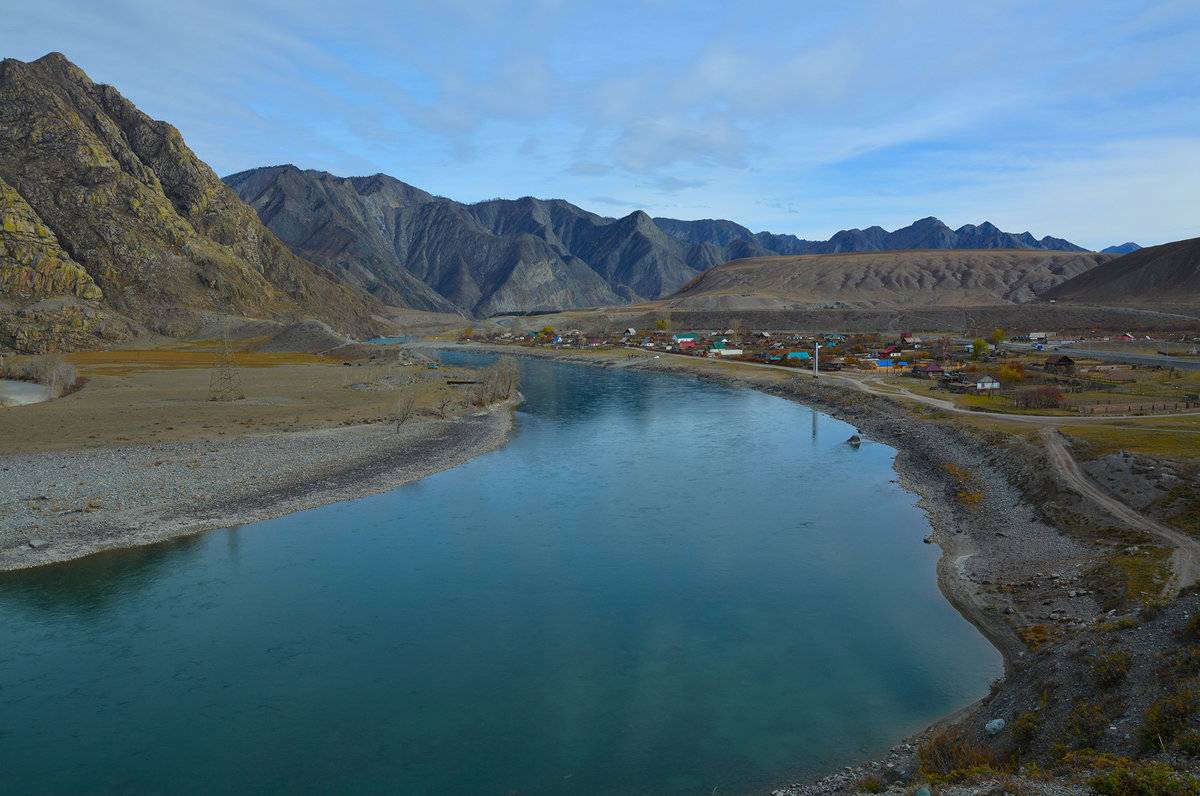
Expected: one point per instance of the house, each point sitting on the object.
(687, 345)
(799, 355)
(682, 336)
(890, 351)
(928, 371)
(1059, 363)
(985, 382)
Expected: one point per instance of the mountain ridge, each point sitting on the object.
(924, 233)
(530, 254)
(111, 222)
(1155, 276)
(905, 279)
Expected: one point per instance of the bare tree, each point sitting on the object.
(406, 404)
(55, 372)
(498, 381)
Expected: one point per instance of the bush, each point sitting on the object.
(869, 783)
(1146, 779)
(1044, 397)
(1086, 725)
(949, 754)
(1185, 661)
(52, 370)
(1168, 717)
(1109, 668)
(1025, 730)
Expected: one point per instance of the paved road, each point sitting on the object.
(1188, 363)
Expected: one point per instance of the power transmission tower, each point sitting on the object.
(225, 383)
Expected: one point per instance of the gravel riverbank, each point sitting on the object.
(61, 505)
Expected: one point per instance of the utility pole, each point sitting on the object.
(816, 356)
(225, 383)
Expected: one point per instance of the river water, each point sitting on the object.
(15, 393)
(657, 586)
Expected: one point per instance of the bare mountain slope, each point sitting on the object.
(107, 213)
(502, 255)
(1157, 276)
(922, 278)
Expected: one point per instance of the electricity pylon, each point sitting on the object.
(225, 383)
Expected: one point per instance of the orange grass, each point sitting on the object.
(117, 362)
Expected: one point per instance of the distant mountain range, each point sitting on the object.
(493, 257)
(522, 255)
(1124, 248)
(110, 225)
(927, 233)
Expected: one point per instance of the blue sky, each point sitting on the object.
(1074, 119)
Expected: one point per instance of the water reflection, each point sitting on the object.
(656, 586)
(96, 582)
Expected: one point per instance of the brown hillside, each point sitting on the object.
(912, 279)
(107, 207)
(1158, 276)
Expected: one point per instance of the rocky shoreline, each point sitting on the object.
(62, 505)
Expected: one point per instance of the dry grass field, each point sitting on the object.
(148, 396)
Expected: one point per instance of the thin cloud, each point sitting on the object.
(829, 117)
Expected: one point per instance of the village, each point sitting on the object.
(1026, 372)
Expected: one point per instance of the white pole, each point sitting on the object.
(816, 356)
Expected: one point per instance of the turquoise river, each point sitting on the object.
(658, 586)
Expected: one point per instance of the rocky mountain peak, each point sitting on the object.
(129, 205)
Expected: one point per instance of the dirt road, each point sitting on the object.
(1185, 562)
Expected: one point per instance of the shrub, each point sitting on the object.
(1169, 716)
(949, 753)
(1012, 373)
(1025, 730)
(1185, 661)
(869, 783)
(1086, 724)
(1109, 668)
(1145, 779)
(1044, 397)
(1189, 743)
(1191, 631)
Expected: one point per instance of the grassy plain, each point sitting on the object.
(158, 396)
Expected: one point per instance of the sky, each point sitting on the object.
(1073, 118)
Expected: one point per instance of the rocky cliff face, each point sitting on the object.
(487, 258)
(102, 204)
(346, 225)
